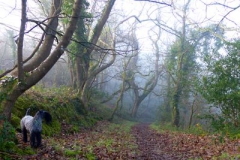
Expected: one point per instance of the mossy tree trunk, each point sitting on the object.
(165, 110)
(183, 51)
(175, 106)
(84, 72)
(141, 93)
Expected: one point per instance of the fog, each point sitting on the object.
(151, 24)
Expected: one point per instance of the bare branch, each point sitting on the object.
(233, 9)
(20, 41)
(153, 1)
(225, 6)
(33, 53)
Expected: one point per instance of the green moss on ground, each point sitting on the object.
(67, 110)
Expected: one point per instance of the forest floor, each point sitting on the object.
(110, 141)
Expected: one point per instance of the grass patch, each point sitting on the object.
(90, 156)
(225, 156)
(71, 153)
(124, 124)
(164, 127)
(197, 129)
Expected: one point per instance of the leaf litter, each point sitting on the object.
(107, 142)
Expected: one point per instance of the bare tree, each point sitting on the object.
(141, 93)
(38, 66)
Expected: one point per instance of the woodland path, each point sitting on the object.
(108, 141)
(152, 145)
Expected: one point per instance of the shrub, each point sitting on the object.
(7, 135)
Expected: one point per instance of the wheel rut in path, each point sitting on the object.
(151, 144)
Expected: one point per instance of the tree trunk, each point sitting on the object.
(11, 91)
(118, 101)
(151, 83)
(180, 71)
(175, 107)
(20, 42)
(192, 111)
(85, 76)
(91, 76)
(165, 112)
(135, 107)
(80, 72)
(45, 50)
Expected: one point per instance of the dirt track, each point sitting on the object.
(106, 141)
(151, 144)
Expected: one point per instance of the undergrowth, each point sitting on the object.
(7, 135)
(196, 129)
